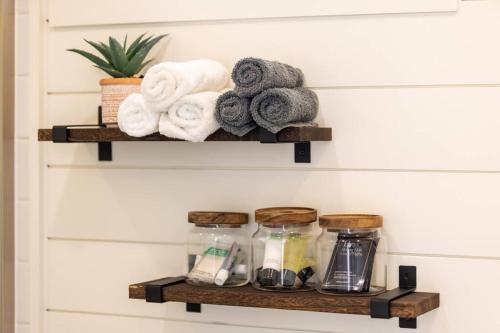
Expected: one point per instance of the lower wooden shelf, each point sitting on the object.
(409, 306)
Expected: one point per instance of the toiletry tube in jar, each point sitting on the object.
(211, 262)
(273, 256)
(351, 262)
(216, 241)
(240, 268)
(308, 265)
(293, 257)
(193, 260)
(227, 266)
(347, 253)
(280, 247)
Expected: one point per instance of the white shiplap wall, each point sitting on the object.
(411, 89)
(22, 161)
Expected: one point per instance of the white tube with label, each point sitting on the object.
(273, 258)
(227, 266)
(211, 262)
(273, 255)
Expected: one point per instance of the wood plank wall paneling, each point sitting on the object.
(369, 50)
(152, 205)
(63, 322)
(65, 13)
(412, 99)
(430, 128)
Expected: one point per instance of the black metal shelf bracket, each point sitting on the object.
(60, 134)
(302, 150)
(104, 149)
(380, 304)
(154, 292)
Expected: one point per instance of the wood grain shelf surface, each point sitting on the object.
(410, 306)
(290, 134)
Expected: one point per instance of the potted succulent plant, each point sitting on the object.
(123, 64)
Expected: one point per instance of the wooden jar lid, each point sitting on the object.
(285, 215)
(231, 218)
(350, 221)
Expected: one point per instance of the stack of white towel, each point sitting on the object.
(177, 99)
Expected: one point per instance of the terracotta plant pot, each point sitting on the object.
(113, 92)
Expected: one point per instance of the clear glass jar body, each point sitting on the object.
(283, 257)
(218, 255)
(351, 261)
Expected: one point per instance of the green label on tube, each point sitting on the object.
(276, 236)
(217, 252)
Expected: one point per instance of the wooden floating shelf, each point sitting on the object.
(287, 135)
(300, 136)
(409, 306)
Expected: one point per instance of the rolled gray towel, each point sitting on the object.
(252, 76)
(277, 108)
(233, 114)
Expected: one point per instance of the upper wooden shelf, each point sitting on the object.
(290, 134)
(409, 306)
(300, 136)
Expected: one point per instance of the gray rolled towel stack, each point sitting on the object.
(252, 76)
(276, 94)
(277, 108)
(233, 114)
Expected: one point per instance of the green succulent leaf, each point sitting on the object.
(120, 61)
(135, 63)
(102, 48)
(143, 65)
(139, 47)
(95, 59)
(133, 47)
(134, 66)
(117, 54)
(112, 72)
(155, 40)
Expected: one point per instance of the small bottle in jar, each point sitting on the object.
(283, 249)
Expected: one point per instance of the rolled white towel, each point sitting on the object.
(166, 82)
(135, 119)
(191, 118)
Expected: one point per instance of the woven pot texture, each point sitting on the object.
(113, 92)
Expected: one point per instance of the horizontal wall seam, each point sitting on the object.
(108, 314)
(119, 241)
(61, 27)
(263, 168)
(400, 254)
(339, 87)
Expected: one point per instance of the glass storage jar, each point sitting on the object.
(283, 249)
(352, 255)
(218, 249)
